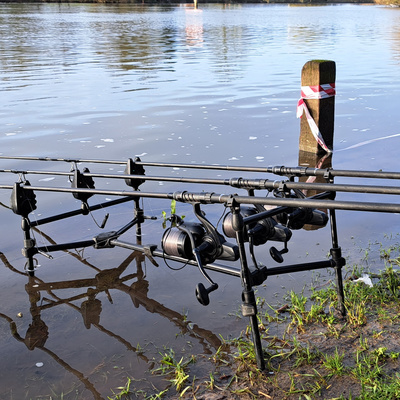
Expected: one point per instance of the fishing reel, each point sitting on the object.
(296, 218)
(259, 231)
(199, 242)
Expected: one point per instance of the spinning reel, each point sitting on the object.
(259, 230)
(296, 218)
(263, 225)
(200, 242)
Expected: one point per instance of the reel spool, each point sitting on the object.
(177, 241)
(227, 227)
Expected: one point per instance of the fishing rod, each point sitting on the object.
(298, 171)
(215, 198)
(241, 183)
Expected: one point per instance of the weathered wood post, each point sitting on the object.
(318, 91)
(317, 109)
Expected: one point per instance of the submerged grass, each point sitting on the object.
(318, 354)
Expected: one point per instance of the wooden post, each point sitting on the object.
(314, 73)
(311, 160)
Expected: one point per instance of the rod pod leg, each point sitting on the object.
(29, 245)
(249, 307)
(339, 262)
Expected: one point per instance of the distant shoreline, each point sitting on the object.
(304, 2)
(392, 3)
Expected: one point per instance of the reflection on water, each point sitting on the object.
(43, 296)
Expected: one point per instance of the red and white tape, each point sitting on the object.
(314, 93)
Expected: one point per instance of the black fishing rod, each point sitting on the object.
(240, 183)
(276, 170)
(214, 198)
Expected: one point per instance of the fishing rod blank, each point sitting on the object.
(213, 198)
(277, 170)
(240, 183)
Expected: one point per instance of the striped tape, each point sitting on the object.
(314, 93)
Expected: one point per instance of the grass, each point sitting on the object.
(319, 354)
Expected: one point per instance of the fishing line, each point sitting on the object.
(167, 232)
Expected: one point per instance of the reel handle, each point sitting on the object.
(202, 293)
(277, 254)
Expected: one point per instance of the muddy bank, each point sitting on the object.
(311, 351)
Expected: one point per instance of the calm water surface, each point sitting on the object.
(218, 84)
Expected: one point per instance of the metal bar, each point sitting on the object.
(158, 253)
(128, 226)
(65, 246)
(288, 269)
(226, 269)
(79, 212)
(336, 253)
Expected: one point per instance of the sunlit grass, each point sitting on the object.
(296, 367)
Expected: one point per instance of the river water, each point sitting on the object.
(217, 84)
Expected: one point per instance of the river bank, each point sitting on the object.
(311, 351)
